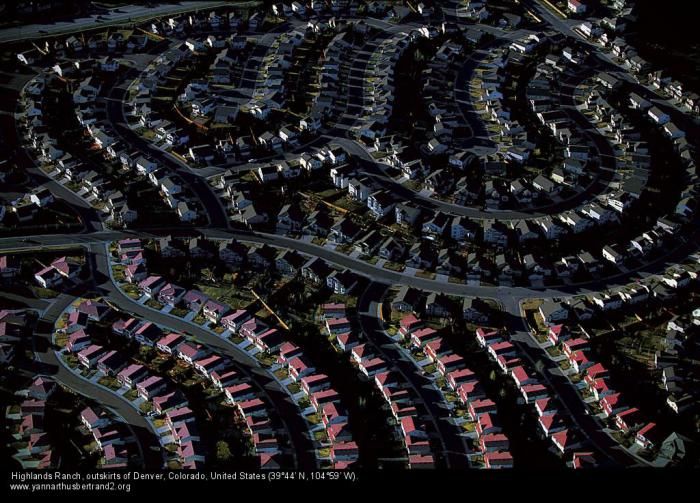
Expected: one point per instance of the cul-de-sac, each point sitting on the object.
(349, 235)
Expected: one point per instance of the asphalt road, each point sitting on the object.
(16, 244)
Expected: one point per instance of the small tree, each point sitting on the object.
(208, 275)
(223, 451)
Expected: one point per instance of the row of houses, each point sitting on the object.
(112, 438)
(628, 420)
(552, 420)
(408, 299)
(26, 207)
(663, 288)
(271, 94)
(400, 398)
(490, 440)
(31, 427)
(308, 162)
(617, 46)
(169, 401)
(673, 362)
(390, 384)
(13, 323)
(61, 50)
(60, 270)
(40, 140)
(165, 399)
(324, 401)
(93, 186)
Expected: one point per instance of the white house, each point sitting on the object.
(186, 213)
(576, 6)
(658, 116)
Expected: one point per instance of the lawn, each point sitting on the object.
(131, 395)
(393, 266)
(265, 359)
(425, 274)
(60, 323)
(531, 304)
(344, 249)
(70, 360)
(554, 351)
(44, 293)
(469, 426)
(542, 338)
(329, 193)
(118, 273)
(109, 382)
(235, 298)
(349, 301)
(132, 291)
(179, 312)
(154, 304)
(348, 204)
(61, 340)
(450, 397)
(171, 447)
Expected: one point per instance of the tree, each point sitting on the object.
(539, 366)
(223, 452)
(208, 274)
